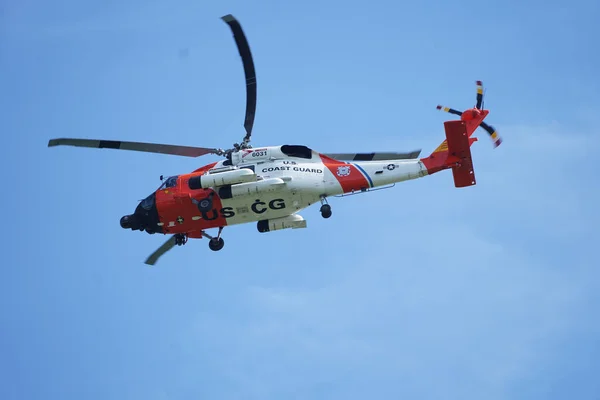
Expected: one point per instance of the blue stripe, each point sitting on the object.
(365, 174)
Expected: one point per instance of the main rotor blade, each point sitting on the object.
(168, 245)
(185, 151)
(246, 54)
(374, 156)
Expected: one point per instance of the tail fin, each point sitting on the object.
(455, 153)
(459, 149)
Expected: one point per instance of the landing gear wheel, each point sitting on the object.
(216, 244)
(180, 239)
(325, 207)
(326, 211)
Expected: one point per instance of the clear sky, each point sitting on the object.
(421, 291)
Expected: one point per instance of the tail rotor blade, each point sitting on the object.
(449, 110)
(492, 132)
(479, 95)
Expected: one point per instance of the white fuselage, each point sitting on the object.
(294, 183)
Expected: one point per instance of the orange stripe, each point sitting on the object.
(349, 177)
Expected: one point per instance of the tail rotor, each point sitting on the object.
(478, 107)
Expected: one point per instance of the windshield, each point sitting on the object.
(169, 182)
(148, 202)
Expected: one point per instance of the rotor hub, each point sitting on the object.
(471, 114)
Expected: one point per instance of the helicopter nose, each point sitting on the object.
(127, 221)
(145, 217)
(136, 222)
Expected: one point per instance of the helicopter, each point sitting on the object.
(270, 185)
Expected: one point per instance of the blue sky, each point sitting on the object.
(421, 291)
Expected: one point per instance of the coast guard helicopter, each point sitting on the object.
(270, 185)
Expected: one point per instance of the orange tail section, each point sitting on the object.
(455, 153)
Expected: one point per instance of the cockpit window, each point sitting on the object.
(296, 151)
(169, 182)
(148, 202)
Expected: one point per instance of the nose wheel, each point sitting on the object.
(325, 208)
